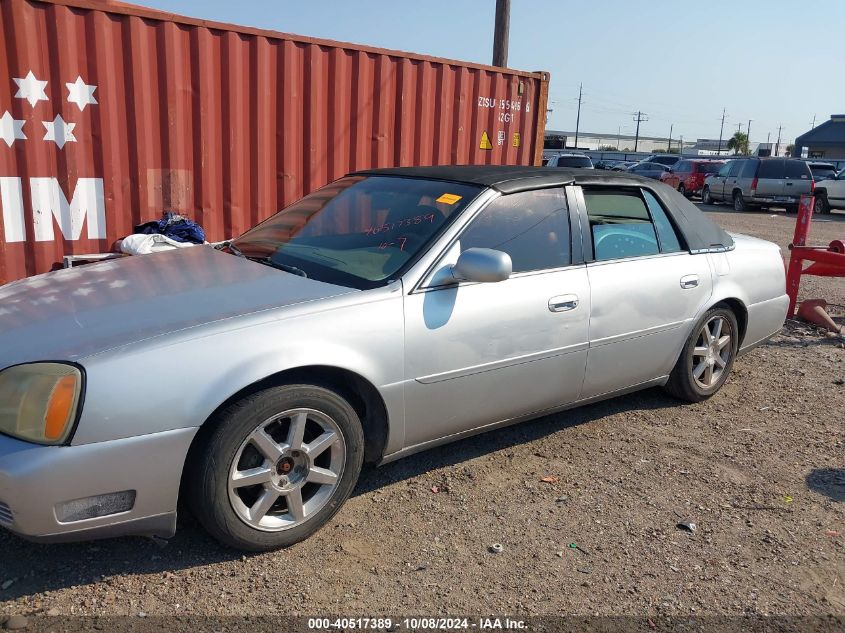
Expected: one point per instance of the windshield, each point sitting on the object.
(574, 161)
(709, 168)
(358, 231)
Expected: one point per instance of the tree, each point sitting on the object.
(790, 149)
(738, 143)
(608, 148)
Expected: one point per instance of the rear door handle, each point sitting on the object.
(562, 303)
(689, 281)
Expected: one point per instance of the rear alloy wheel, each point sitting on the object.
(822, 204)
(706, 198)
(278, 465)
(739, 202)
(707, 357)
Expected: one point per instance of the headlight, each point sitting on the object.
(39, 401)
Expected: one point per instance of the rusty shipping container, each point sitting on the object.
(111, 113)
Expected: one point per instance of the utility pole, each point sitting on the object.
(748, 138)
(814, 123)
(681, 147)
(578, 119)
(669, 149)
(639, 117)
(777, 145)
(500, 34)
(738, 128)
(721, 131)
(618, 136)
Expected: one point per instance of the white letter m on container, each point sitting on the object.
(48, 202)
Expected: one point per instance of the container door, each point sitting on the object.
(481, 353)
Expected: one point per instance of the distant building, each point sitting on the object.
(558, 139)
(823, 141)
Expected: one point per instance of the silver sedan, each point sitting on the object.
(387, 313)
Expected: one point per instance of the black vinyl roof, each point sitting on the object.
(700, 232)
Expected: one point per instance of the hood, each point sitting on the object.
(73, 313)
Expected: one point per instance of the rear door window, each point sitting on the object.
(622, 227)
(771, 169)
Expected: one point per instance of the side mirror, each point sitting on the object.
(483, 265)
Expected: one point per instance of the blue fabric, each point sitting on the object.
(174, 226)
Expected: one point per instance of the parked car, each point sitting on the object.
(389, 312)
(749, 182)
(605, 164)
(822, 171)
(663, 159)
(649, 170)
(830, 194)
(571, 159)
(687, 176)
(623, 165)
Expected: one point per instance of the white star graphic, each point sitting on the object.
(11, 129)
(31, 89)
(81, 93)
(59, 131)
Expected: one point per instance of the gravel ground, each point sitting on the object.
(759, 468)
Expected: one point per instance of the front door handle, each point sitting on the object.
(689, 281)
(562, 303)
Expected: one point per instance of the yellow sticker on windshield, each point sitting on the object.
(449, 198)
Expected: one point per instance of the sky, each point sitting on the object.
(773, 61)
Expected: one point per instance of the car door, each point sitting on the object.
(646, 288)
(675, 174)
(732, 182)
(481, 353)
(770, 180)
(797, 180)
(717, 183)
(835, 188)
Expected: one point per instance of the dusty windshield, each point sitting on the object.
(357, 231)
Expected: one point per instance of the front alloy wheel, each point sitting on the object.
(270, 470)
(708, 355)
(277, 479)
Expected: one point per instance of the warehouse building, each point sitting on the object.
(558, 139)
(824, 141)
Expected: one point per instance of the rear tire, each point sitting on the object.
(276, 467)
(739, 202)
(682, 190)
(707, 357)
(822, 204)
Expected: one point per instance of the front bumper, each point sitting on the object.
(36, 480)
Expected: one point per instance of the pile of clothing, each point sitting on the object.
(171, 231)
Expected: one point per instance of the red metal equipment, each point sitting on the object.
(826, 261)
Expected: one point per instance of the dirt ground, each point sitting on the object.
(760, 469)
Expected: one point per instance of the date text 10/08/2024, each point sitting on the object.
(421, 623)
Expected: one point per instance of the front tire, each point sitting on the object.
(706, 198)
(276, 467)
(707, 357)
